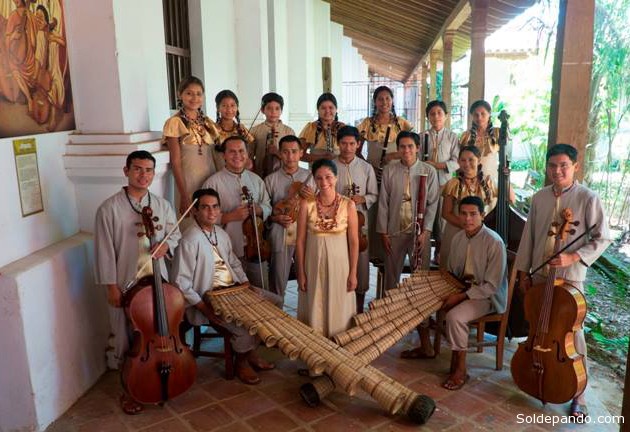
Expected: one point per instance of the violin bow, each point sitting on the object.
(164, 240)
(588, 230)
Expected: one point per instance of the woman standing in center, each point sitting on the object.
(229, 124)
(327, 252)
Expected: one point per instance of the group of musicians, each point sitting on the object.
(362, 182)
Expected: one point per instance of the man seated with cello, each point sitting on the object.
(120, 252)
(480, 261)
(286, 187)
(204, 264)
(536, 245)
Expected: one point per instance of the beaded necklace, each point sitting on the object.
(197, 125)
(323, 223)
(209, 237)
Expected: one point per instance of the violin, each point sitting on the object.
(270, 161)
(547, 365)
(290, 206)
(257, 248)
(158, 367)
(363, 241)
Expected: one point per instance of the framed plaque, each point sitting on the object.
(25, 152)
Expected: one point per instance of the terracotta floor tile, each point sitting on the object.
(209, 418)
(237, 426)
(222, 389)
(210, 369)
(111, 423)
(92, 406)
(463, 404)
(151, 415)
(172, 425)
(307, 414)
(249, 404)
(274, 420)
(366, 412)
(468, 427)
(433, 390)
(337, 423)
(497, 419)
(490, 391)
(194, 398)
(282, 392)
(442, 419)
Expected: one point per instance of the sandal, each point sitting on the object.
(415, 353)
(129, 405)
(453, 384)
(578, 410)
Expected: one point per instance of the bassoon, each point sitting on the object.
(416, 259)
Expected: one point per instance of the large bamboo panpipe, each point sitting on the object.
(389, 320)
(346, 370)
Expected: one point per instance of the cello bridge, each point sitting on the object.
(541, 349)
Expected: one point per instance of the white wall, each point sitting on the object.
(59, 220)
(54, 332)
(279, 62)
(336, 54)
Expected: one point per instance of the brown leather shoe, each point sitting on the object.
(247, 375)
(258, 363)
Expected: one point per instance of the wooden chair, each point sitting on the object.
(213, 332)
(480, 325)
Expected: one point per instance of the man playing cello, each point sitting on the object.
(537, 246)
(120, 253)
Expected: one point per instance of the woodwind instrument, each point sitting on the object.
(363, 241)
(416, 259)
(425, 147)
(381, 164)
(343, 368)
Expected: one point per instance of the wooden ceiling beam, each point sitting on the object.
(348, 16)
(455, 15)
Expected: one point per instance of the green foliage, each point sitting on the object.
(596, 329)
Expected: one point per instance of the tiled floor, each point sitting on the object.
(490, 401)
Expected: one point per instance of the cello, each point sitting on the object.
(509, 223)
(158, 367)
(547, 365)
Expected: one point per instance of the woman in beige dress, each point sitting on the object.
(470, 181)
(229, 124)
(319, 137)
(190, 137)
(327, 252)
(374, 129)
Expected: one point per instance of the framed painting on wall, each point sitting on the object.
(35, 93)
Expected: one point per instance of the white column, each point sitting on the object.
(303, 68)
(119, 83)
(433, 58)
(336, 49)
(117, 65)
(447, 60)
(252, 62)
(278, 51)
(212, 37)
(477, 75)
